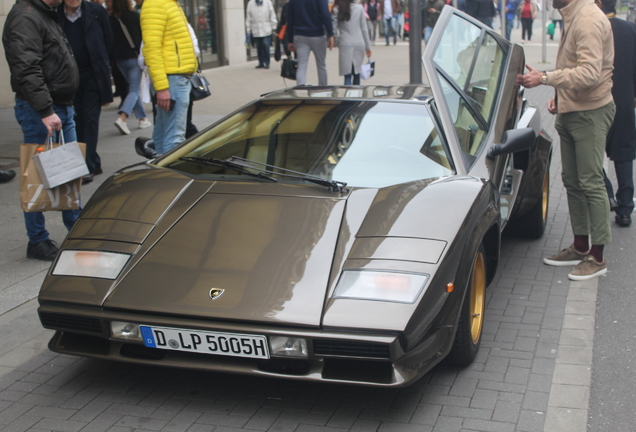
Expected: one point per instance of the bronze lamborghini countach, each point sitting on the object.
(339, 234)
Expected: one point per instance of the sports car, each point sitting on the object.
(337, 234)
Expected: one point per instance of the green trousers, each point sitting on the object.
(583, 135)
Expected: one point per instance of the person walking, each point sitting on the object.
(389, 10)
(260, 22)
(511, 10)
(169, 53)
(371, 8)
(307, 24)
(281, 32)
(126, 28)
(433, 10)
(482, 10)
(585, 110)
(352, 39)
(44, 77)
(528, 11)
(88, 32)
(621, 138)
(557, 19)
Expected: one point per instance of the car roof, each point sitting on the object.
(402, 93)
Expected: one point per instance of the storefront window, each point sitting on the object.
(203, 16)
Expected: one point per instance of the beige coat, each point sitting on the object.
(585, 61)
(260, 20)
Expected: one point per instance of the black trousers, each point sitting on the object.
(625, 192)
(526, 28)
(88, 108)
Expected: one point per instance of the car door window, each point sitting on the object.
(470, 132)
(473, 60)
(457, 47)
(483, 85)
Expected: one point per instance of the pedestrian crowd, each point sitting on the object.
(61, 54)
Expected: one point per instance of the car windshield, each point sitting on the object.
(361, 143)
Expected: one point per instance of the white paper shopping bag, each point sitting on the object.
(61, 164)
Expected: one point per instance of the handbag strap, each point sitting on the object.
(125, 30)
(49, 139)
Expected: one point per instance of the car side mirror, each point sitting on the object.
(513, 141)
(145, 147)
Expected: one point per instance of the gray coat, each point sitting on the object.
(352, 39)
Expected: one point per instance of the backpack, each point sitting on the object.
(372, 11)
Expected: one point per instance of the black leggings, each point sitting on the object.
(526, 27)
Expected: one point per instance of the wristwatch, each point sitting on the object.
(544, 77)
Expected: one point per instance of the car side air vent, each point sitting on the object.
(343, 348)
(71, 322)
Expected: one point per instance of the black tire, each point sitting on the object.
(471, 321)
(532, 225)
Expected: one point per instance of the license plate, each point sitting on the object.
(207, 342)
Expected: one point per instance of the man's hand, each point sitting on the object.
(432, 10)
(291, 47)
(331, 42)
(52, 123)
(552, 107)
(532, 78)
(163, 99)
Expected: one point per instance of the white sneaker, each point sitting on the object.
(143, 124)
(122, 127)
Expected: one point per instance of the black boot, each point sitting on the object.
(45, 250)
(7, 176)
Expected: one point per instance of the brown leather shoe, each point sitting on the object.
(87, 178)
(623, 221)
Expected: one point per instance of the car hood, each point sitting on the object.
(270, 254)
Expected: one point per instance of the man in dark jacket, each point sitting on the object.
(621, 138)
(483, 10)
(89, 33)
(44, 77)
(307, 23)
(433, 10)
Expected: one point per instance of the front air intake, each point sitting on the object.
(71, 322)
(344, 348)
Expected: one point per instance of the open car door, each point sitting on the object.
(472, 73)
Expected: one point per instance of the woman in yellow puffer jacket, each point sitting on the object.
(171, 60)
(168, 48)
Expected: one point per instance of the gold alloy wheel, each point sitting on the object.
(477, 297)
(545, 196)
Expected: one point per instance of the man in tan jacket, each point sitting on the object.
(585, 111)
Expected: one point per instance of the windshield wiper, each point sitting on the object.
(231, 165)
(333, 185)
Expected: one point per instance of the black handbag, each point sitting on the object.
(200, 86)
(288, 68)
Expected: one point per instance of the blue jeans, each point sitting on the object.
(262, 49)
(131, 71)
(170, 126)
(390, 25)
(35, 132)
(509, 24)
(356, 77)
(427, 33)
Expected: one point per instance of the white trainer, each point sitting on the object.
(143, 124)
(122, 127)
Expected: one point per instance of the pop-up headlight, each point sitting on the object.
(105, 265)
(380, 285)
